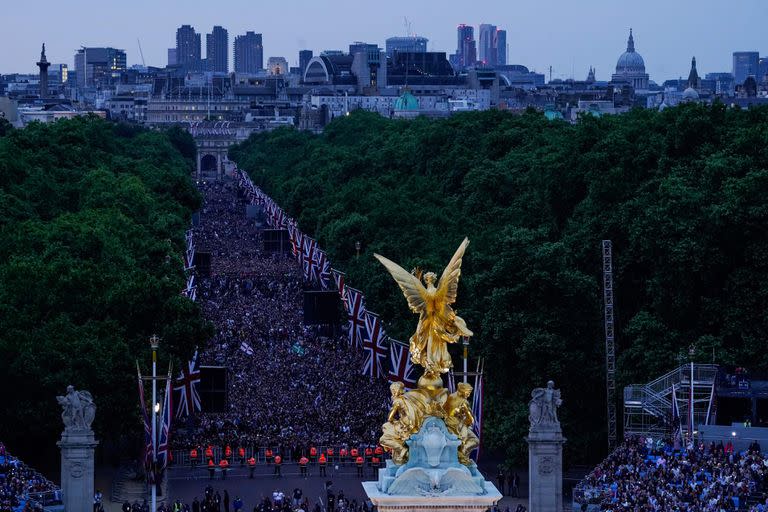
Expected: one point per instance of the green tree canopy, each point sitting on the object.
(681, 193)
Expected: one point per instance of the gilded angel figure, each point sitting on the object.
(438, 322)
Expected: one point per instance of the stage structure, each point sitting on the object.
(648, 407)
(610, 350)
(429, 430)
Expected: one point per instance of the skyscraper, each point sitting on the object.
(217, 50)
(745, 64)
(466, 47)
(304, 57)
(249, 53)
(171, 56)
(188, 53)
(500, 43)
(488, 53)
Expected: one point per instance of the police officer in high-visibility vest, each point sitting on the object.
(209, 453)
(251, 467)
(330, 453)
(379, 454)
(322, 461)
(278, 463)
(368, 455)
(223, 466)
(303, 461)
(193, 457)
(211, 469)
(227, 452)
(241, 456)
(343, 455)
(313, 454)
(359, 461)
(268, 456)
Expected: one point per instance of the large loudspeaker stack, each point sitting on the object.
(322, 307)
(202, 262)
(276, 241)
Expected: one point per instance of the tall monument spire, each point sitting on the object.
(630, 42)
(43, 65)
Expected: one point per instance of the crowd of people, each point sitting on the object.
(20, 484)
(651, 475)
(290, 385)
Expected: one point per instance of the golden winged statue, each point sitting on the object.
(438, 322)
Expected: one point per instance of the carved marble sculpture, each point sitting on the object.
(543, 406)
(78, 410)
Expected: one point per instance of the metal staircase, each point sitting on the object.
(648, 407)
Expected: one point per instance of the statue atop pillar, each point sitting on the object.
(78, 410)
(543, 406)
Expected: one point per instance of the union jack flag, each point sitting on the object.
(164, 443)
(375, 346)
(355, 306)
(338, 278)
(308, 261)
(401, 368)
(148, 444)
(297, 240)
(323, 266)
(186, 387)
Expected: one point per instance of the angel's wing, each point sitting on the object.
(412, 288)
(449, 281)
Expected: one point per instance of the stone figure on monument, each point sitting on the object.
(459, 420)
(543, 406)
(78, 410)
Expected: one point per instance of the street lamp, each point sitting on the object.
(465, 343)
(154, 343)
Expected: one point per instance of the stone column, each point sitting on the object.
(77, 446)
(77, 470)
(545, 470)
(545, 451)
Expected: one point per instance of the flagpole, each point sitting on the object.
(154, 341)
(465, 343)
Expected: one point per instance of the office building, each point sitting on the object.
(99, 67)
(411, 44)
(487, 52)
(304, 57)
(277, 66)
(466, 48)
(501, 47)
(217, 50)
(172, 57)
(188, 48)
(745, 64)
(249, 53)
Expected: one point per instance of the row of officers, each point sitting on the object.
(371, 457)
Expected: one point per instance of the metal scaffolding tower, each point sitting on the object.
(610, 352)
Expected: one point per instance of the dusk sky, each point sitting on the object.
(570, 36)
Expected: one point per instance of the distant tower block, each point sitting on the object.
(43, 65)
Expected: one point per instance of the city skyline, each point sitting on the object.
(666, 35)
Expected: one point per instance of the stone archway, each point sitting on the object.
(208, 165)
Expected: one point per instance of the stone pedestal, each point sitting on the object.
(545, 468)
(77, 469)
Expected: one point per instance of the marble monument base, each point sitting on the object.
(77, 469)
(432, 479)
(545, 468)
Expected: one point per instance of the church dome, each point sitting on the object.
(407, 101)
(690, 94)
(630, 61)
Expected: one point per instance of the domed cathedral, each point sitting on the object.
(630, 67)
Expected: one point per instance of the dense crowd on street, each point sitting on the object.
(289, 385)
(18, 482)
(651, 475)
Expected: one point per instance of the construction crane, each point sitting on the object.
(610, 349)
(141, 53)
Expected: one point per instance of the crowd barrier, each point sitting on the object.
(182, 458)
